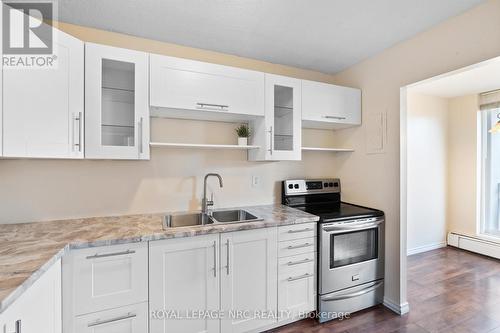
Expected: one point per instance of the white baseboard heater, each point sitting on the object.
(473, 244)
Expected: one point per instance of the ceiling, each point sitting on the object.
(322, 35)
(475, 79)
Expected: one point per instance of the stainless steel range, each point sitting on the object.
(350, 250)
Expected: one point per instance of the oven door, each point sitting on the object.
(351, 253)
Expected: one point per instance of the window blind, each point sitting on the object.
(489, 100)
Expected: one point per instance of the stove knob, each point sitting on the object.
(330, 184)
(325, 185)
(296, 186)
(290, 186)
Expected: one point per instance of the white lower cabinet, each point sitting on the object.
(103, 278)
(296, 285)
(297, 291)
(248, 278)
(232, 273)
(38, 310)
(128, 319)
(184, 276)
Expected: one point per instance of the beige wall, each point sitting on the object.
(427, 155)
(463, 166)
(373, 179)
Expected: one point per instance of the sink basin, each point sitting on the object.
(233, 216)
(185, 220)
(197, 218)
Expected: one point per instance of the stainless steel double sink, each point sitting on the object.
(217, 217)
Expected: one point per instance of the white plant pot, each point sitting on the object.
(242, 141)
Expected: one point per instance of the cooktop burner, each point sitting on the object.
(340, 211)
(321, 197)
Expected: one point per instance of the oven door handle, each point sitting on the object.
(355, 294)
(353, 226)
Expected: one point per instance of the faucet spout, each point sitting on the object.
(205, 203)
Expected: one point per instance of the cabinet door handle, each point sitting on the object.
(271, 140)
(210, 106)
(140, 134)
(227, 257)
(334, 117)
(293, 263)
(215, 259)
(107, 321)
(292, 247)
(301, 230)
(78, 121)
(17, 326)
(104, 255)
(299, 277)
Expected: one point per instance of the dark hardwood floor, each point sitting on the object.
(449, 290)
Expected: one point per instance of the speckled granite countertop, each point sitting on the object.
(27, 250)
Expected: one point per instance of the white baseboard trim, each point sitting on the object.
(400, 309)
(425, 248)
(473, 244)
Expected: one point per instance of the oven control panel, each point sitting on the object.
(308, 186)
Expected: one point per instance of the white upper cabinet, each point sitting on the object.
(1, 80)
(279, 133)
(199, 90)
(330, 106)
(116, 103)
(43, 108)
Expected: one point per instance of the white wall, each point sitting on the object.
(427, 146)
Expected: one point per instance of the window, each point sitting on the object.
(490, 217)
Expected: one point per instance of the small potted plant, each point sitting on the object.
(243, 132)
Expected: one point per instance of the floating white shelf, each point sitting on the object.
(200, 146)
(327, 149)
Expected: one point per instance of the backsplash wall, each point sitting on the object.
(36, 190)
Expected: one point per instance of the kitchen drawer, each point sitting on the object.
(296, 246)
(296, 289)
(128, 319)
(350, 300)
(290, 268)
(297, 231)
(300, 261)
(105, 277)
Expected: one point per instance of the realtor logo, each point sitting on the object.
(24, 30)
(27, 38)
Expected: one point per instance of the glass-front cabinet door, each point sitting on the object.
(116, 103)
(283, 118)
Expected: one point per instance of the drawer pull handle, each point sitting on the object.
(111, 254)
(293, 263)
(299, 277)
(334, 117)
(209, 106)
(300, 230)
(292, 247)
(107, 321)
(355, 294)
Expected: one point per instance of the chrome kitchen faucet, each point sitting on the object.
(205, 203)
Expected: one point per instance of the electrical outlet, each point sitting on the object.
(255, 181)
